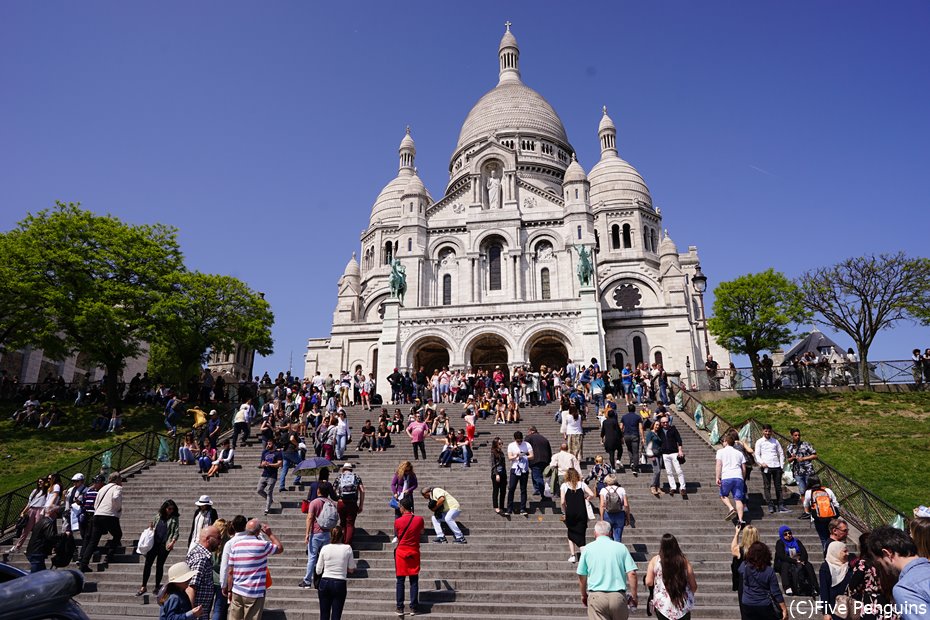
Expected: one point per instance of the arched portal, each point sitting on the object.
(431, 354)
(549, 350)
(488, 352)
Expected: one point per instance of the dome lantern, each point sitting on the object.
(407, 152)
(509, 56)
(607, 132)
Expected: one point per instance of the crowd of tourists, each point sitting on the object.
(225, 572)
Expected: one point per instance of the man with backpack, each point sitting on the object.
(351, 494)
(322, 516)
(821, 504)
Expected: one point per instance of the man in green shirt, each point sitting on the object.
(606, 576)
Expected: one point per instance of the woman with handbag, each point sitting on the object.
(167, 526)
(403, 484)
(28, 518)
(653, 450)
(574, 512)
(498, 476)
(760, 597)
(409, 528)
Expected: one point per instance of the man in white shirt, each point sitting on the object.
(562, 461)
(771, 459)
(108, 507)
(519, 452)
(731, 472)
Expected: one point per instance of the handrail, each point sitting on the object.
(128, 456)
(861, 507)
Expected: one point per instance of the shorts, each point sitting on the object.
(736, 486)
(627, 388)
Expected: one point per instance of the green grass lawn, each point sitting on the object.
(880, 440)
(26, 453)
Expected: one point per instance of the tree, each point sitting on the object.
(862, 296)
(206, 312)
(754, 313)
(23, 318)
(96, 278)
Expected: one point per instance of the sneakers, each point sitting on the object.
(789, 592)
(655, 491)
(304, 584)
(783, 508)
(400, 612)
(771, 508)
(684, 494)
(525, 514)
(730, 515)
(572, 559)
(672, 491)
(440, 540)
(618, 466)
(459, 541)
(394, 540)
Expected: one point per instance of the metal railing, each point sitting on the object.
(125, 457)
(837, 374)
(860, 506)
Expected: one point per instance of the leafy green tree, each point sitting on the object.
(24, 320)
(755, 313)
(96, 279)
(863, 295)
(204, 313)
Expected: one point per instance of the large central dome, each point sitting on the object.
(508, 107)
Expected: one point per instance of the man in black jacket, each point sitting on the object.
(43, 539)
(672, 456)
(542, 455)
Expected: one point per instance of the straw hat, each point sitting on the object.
(180, 572)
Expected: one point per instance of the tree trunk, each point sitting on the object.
(112, 386)
(864, 368)
(756, 370)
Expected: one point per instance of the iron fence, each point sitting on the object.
(836, 374)
(860, 506)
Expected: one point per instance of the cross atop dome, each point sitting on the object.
(507, 24)
(509, 56)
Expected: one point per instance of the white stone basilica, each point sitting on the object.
(492, 267)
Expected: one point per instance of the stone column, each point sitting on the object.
(591, 325)
(514, 276)
(471, 283)
(388, 346)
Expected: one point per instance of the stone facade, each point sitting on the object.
(492, 267)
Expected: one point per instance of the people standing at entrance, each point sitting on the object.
(574, 494)
(408, 528)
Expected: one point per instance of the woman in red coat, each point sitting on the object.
(409, 528)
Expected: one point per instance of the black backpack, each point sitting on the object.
(64, 551)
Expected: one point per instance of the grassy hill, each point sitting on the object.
(26, 453)
(880, 440)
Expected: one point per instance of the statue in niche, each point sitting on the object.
(398, 280)
(494, 190)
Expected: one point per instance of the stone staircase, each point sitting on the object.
(508, 569)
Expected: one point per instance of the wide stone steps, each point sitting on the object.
(512, 568)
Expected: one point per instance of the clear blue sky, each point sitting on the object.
(779, 134)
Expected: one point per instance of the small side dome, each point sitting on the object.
(352, 269)
(415, 186)
(574, 173)
(667, 247)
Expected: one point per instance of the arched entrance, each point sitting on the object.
(488, 352)
(431, 354)
(548, 350)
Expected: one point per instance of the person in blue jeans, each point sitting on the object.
(615, 506)
(316, 536)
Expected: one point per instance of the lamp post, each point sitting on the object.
(699, 282)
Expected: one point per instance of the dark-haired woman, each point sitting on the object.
(871, 584)
(167, 526)
(671, 575)
(334, 564)
(498, 475)
(760, 587)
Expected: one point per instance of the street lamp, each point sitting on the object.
(699, 282)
